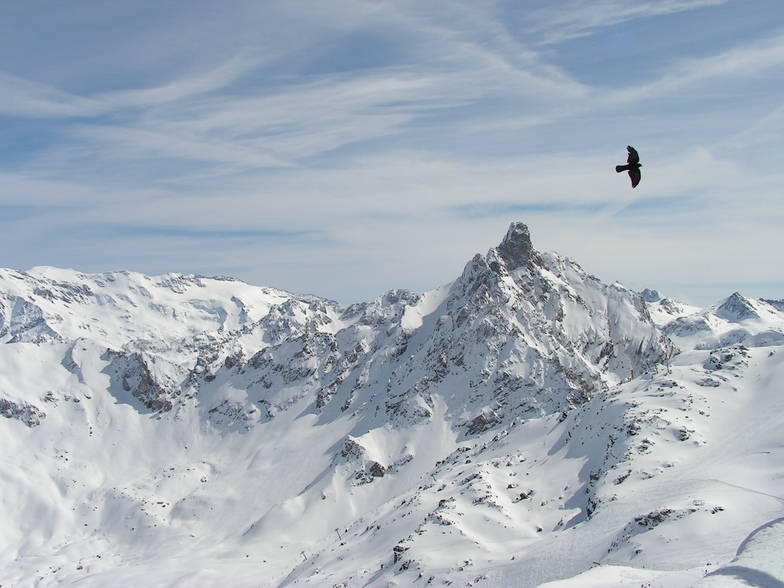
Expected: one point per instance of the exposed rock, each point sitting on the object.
(377, 470)
(516, 247)
(482, 422)
(23, 412)
(736, 308)
(351, 450)
(234, 415)
(137, 377)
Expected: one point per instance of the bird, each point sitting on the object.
(633, 166)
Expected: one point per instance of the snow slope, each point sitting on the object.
(525, 424)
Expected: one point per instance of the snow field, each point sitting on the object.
(521, 426)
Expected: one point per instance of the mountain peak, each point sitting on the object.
(516, 247)
(736, 308)
(651, 295)
(526, 407)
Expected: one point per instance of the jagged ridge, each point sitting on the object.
(432, 406)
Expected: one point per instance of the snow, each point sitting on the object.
(524, 425)
(413, 318)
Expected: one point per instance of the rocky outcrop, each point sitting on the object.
(148, 385)
(21, 411)
(516, 248)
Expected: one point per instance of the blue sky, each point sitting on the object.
(343, 148)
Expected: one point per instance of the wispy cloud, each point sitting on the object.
(566, 20)
(346, 147)
(20, 97)
(185, 87)
(736, 66)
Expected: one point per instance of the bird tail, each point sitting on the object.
(620, 168)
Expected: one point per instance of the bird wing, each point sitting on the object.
(635, 175)
(633, 155)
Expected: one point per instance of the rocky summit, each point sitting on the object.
(524, 424)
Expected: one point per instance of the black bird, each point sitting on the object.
(633, 166)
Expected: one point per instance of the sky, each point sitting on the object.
(344, 148)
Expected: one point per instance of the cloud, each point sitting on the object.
(560, 22)
(349, 147)
(734, 66)
(230, 116)
(184, 87)
(758, 143)
(20, 97)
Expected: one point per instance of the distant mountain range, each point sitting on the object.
(522, 425)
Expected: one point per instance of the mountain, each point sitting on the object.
(524, 424)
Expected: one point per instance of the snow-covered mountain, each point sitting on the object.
(524, 424)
